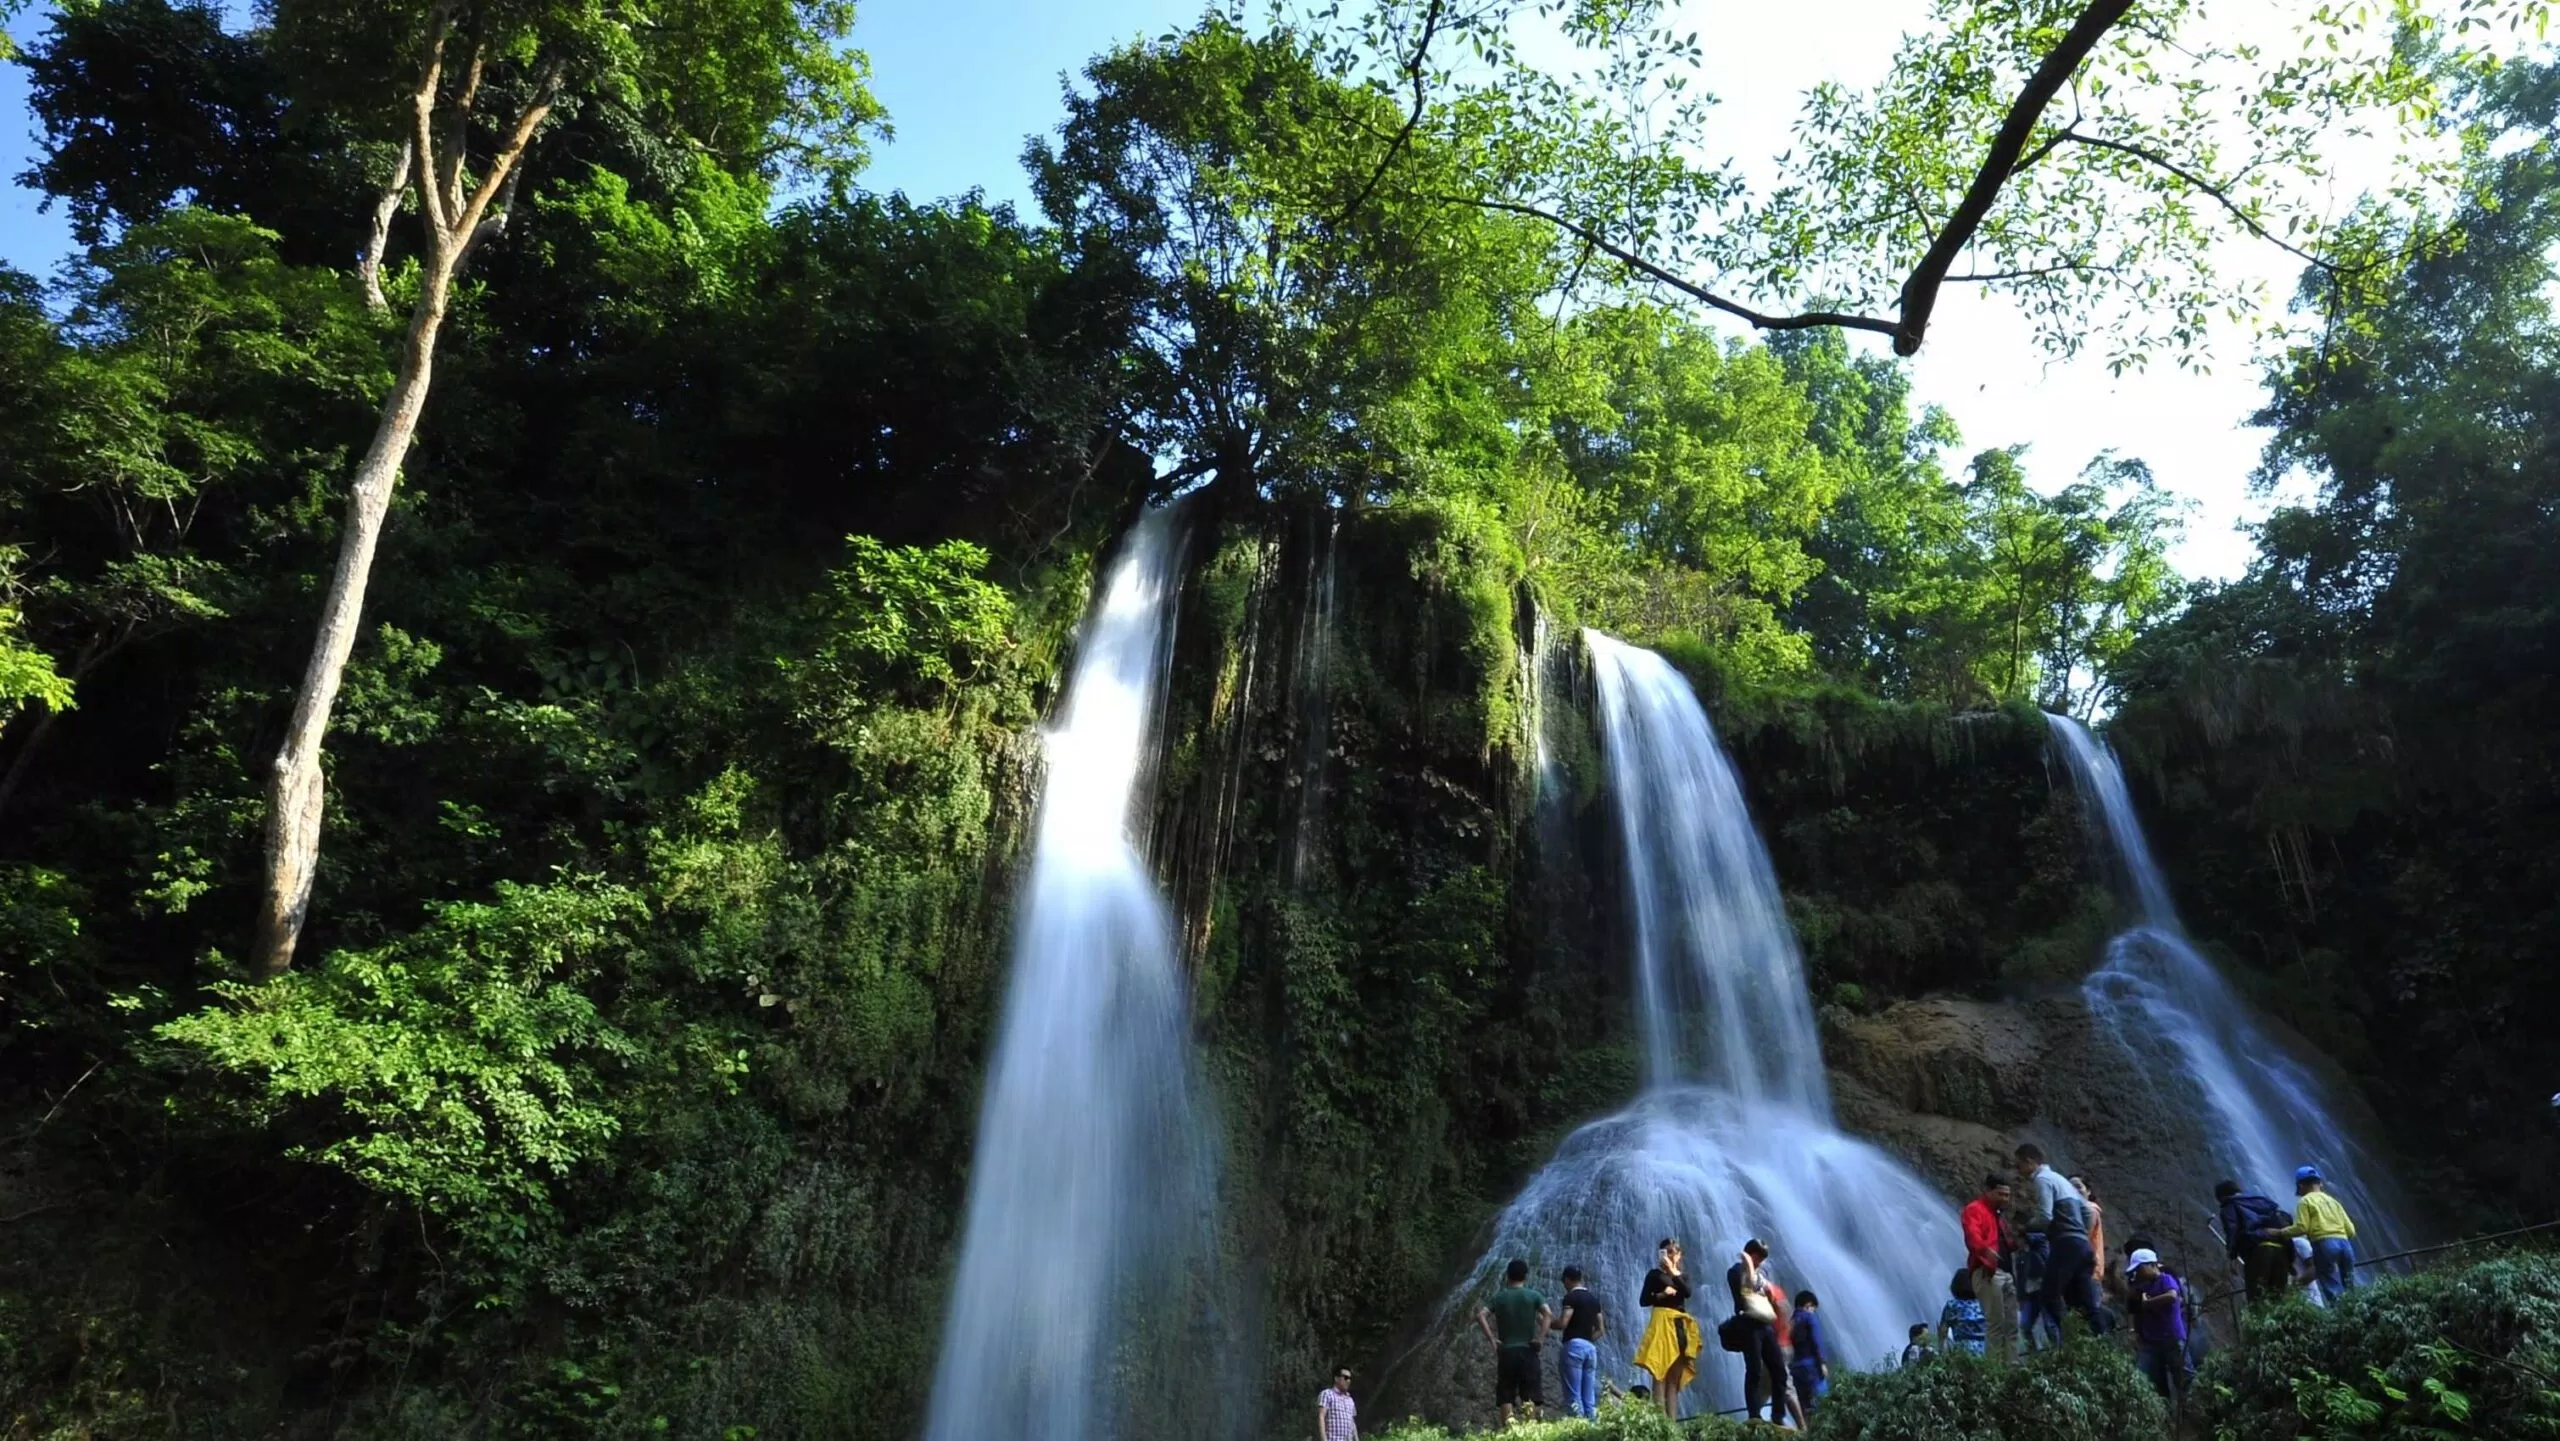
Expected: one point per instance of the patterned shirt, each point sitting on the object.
(1339, 1413)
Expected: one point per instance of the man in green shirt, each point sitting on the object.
(1515, 1321)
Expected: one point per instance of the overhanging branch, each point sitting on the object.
(1810, 320)
(1920, 292)
(1415, 70)
(2219, 194)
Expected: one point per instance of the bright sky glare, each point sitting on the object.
(966, 82)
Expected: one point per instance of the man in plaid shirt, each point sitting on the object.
(1336, 1415)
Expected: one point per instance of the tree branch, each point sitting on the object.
(369, 266)
(2220, 196)
(457, 132)
(493, 225)
(2065, 267)
(502, 169)
(1810, 320)
(1920, 292)
(422, 106)
(1413, 70)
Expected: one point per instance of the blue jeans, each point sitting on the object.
(1579, 1368)
(2333, 1262)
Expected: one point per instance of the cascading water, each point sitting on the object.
(2192, 1037)
(1733, 1136)
(1092, 1175)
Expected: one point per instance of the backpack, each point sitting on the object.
(2258, 1216)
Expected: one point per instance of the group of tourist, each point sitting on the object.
(2035, 1250)
(1779, 1337)
(2027, 1264)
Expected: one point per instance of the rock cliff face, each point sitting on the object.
(1953, 1086)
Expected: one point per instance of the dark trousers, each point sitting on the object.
(2267, 1270)
(2071, 1279)
(1764, 1369)
(2165, 1362)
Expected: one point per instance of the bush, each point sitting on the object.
(2087, 1390)
(2473, 1350)
(1619, 1420)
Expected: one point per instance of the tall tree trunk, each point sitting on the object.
(457, 217)
(296, 795)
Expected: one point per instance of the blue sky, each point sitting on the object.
(966, 81)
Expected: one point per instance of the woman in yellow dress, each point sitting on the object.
(1669, 1351)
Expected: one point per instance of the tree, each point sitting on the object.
(758, 80)
(1298, 299)
(192, 379)
(2079, 155)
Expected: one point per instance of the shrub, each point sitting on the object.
(1619, 1420)
(2473, 1350)
(2087, 1390)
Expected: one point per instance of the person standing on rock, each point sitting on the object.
(2071, 1268)
(1337, 1415)
(1788, 1398)
(1764, 1371)
(1515, 1321)
(2159, 1325)
(1811, 1369)
(1578, 1364)
(2332, 1232)
(1986, 1257)
(2249, 1226)
(1669, 1351)
(2106, 1277)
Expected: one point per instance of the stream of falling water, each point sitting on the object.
(2193, 1039)
(1733, 1135)
(1093, 1176)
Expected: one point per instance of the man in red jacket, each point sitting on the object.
(1984, 1252)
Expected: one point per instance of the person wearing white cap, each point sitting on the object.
(2159, 1324)
(2318, 1217)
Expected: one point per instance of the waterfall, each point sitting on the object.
(1312, 666)
(1733, 1135)
(1092, 1176)
(2191, 1035)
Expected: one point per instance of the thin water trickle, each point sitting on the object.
(1092, 1173)
(1733, 1136)
(2193, 1038)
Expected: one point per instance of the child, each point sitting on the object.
(2159, 1325)
(1960, 1323)
(1811, 1369)
(2319, 1219)
(1919, 1349)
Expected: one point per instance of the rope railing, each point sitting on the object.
(2362, 1263)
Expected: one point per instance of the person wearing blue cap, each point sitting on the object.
(2319, 1219)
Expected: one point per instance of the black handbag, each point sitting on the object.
(1734, 1332)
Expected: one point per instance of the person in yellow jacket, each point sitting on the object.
(2318, 1218)
(1669, 1350)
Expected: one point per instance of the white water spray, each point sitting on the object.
(1092, 1173)
(1733, 1136)
(2193, 1039)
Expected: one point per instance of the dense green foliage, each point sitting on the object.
(1618, 1421)
(622, 1086)
(2466, 1351)
(2088, 1388)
